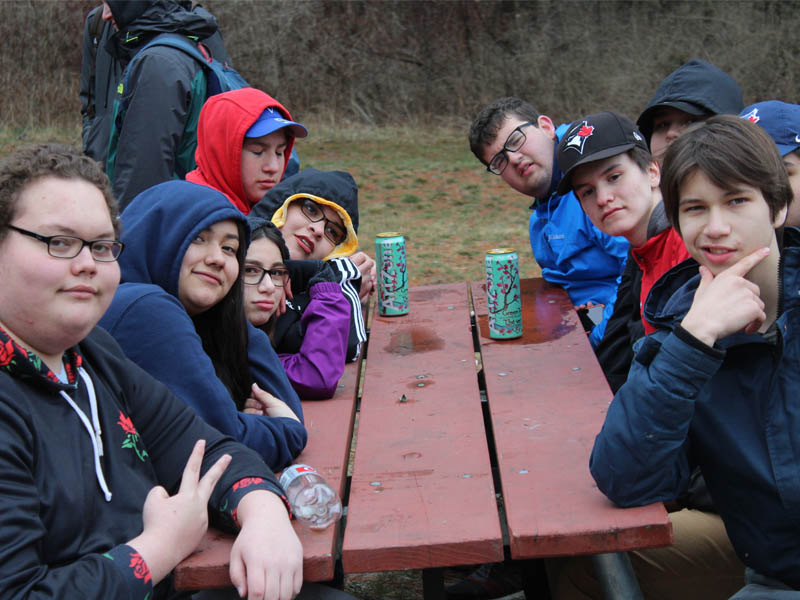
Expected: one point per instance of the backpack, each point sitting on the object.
(213, 78)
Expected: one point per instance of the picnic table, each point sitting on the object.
(467, 448)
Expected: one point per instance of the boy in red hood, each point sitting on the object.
(244, 141)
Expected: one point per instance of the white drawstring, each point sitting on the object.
(94, 432)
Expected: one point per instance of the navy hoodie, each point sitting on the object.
(155, 331)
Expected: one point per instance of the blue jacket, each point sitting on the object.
(733, 410)
(155, 331)
(572, 252)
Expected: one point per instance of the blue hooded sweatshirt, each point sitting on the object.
(148, 320)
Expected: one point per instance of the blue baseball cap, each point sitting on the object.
(780, 120)
(272, 120)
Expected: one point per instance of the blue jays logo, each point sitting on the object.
(752, 116)
(578, 137)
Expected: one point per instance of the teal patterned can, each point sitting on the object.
(503, 294)
(390, 254)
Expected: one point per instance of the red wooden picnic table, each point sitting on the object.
(423, 492)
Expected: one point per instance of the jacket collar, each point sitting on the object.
(27, 365)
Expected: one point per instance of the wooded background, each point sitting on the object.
(430, 63)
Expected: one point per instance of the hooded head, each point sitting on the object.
(224, 122)
(160, 223)
(137, 21)
(697, 88)
(334, 189)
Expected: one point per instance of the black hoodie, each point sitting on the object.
(148, 141)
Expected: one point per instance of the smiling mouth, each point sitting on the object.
(208, 277)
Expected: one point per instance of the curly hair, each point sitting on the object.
(489, 120)
(30, 164)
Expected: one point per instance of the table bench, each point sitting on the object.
(433, 431)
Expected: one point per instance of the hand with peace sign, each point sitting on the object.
(174, 525)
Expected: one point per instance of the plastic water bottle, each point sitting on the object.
(314, 503)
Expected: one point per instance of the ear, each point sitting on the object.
(780, 217)
(654, 174)
(545, 124)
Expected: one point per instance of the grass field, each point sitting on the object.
(425, 184)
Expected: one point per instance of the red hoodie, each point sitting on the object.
(224, 120)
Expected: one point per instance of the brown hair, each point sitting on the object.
(488, 122)
(728, 150)
(24, 167)
(641, 157)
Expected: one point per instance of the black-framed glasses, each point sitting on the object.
(254, 275)
(513, 143)
(68, 246)
(313, 212)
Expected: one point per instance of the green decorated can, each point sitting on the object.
(390, 254)
(503, 294)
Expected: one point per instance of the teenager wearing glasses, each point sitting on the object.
(314, 370)
(97, 456)
(518, 144)
(179, 314)
(317, 214)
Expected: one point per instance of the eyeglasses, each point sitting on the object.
(67, 246)
(254, 275)
(513, 143)
(314, 213)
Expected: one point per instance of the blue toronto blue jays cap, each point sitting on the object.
(595, 137)
(272, 120)
(780, 120)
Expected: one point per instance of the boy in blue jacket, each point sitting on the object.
(717, 385)
(517, 143)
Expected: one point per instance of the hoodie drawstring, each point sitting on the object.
(92, 428)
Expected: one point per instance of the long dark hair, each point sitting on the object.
(263, 229)
(223, 330)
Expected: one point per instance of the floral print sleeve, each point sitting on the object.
(134, 569)
(238, 491)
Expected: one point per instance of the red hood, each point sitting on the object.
(224, 120)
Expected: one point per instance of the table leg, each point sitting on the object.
(616, 576)
(433, 584)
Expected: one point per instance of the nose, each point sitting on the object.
(716, 226)
(603, 195)
(272, 163)
(514, 156)
(84, 262)
(675, 129)
(266, 285)
(317, 228)
(214, 256)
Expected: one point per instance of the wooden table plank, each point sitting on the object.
(421, 493)
(548, 398)
(330, 427)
